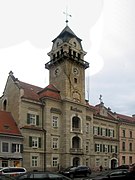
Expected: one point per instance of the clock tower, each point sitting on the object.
(67, 66)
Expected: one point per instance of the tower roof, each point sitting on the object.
(66, 34)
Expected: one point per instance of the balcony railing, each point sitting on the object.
(76, 151)
(76, 129)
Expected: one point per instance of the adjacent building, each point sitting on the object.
(11, 141)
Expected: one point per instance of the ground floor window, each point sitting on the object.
(4, 163)
(55, 161)
(34, 161)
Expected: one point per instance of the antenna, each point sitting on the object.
(66, 13)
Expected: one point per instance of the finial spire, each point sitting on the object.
(100, 98)
(66, 13)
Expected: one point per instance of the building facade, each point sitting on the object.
(60, 128)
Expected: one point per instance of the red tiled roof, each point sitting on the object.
(8, 124)
(35, 93)
(126, 118)
(30, 91)
(50, 91)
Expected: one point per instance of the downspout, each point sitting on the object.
(44, 131)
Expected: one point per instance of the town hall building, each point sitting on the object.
(59, 126)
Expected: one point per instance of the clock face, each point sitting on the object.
(57, 71)
(75, 70)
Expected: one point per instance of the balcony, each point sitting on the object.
(76, 151)
(77, 130)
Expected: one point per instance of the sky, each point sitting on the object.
(107, 30)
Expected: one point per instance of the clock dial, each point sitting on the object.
(57, 71)
(75, 70)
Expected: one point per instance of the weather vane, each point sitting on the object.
(66, 13)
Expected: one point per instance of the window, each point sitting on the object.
(130, 134)
(123, 133)
(35, 142)
(123, 146)
(130, 146)
(17, 148)
(4, 163)
(97, 147)
(5, 147)
(87, 127)
(75, 80)
(123, 159)
(111, 132)
(55, 162)
(55, 143)
(87, 146)
(97, 162)
(130, 160)
(105, 163)
(103, 132)
(105, 148)
(32, 119)
(34, 161)
(95, 130)
(55, 121)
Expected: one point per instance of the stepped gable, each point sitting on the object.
(8, 125)
(50, 91)
(125, 118)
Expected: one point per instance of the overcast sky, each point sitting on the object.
(107, 30)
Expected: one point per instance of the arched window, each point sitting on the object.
(5, 105)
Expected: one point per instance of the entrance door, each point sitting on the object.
(76, 161)
(113, 163)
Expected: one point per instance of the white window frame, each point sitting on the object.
(55, 161)
(55, 121)
(55, 142)
(97, 147)
(103, 132)
(34, 161)
(111, 133)
(35, 142)
(95, 130)
(2, 144)
(17, 148)
(33, 119)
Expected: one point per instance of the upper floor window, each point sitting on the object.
(130, 146)
(5, 147)
(130, 134)
(55, 143)
(32, 119)
(95, 130)
(17, 148)
(55, 121)
(35, 142)
(87, 146)
(123, 133)
(123, 146)
(5, 105)
(87, 127)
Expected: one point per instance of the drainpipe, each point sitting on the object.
(44, 131)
